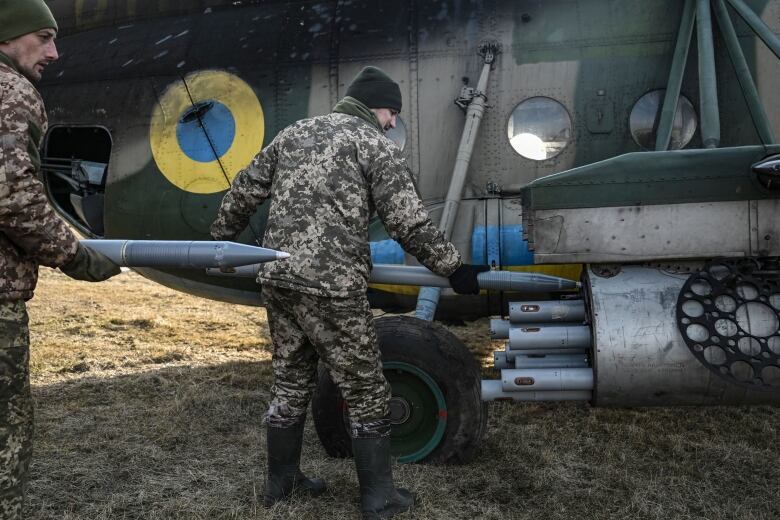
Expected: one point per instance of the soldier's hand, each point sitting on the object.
(90, 266)
(464, 279)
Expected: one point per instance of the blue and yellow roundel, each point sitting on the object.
(205, 129)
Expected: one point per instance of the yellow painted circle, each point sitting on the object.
(203, 86)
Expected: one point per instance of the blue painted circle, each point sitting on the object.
(218, 121)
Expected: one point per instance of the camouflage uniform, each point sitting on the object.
(328, 174)
(339, 331)
(30, 233)
(16, 408)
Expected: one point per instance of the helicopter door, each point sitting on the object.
(75, 165)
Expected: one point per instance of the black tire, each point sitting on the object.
(435, 351)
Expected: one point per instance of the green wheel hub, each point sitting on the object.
(418, 411)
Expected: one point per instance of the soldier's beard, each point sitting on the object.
(33, 75)
(25, 68)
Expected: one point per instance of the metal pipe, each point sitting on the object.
(757, 24)
(546, 379)
(502, 329)
(556, 337)
(428, 298)
(500, 361)
(418, 275)
(708, 88)
(492, 391)
(184, 254)
(672, 97)
(406, 275)
(511, 354)
(524, 282)
(491, 280)
(745, 78)
(547, 311)
(427, 302)
(499, 329)
(468, 138)
(551, 361)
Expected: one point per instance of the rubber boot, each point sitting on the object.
(284, 474)
(379, 498)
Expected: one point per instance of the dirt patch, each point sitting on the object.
(149, 404)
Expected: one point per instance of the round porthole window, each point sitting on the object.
(398, 134)
(539, 128)
(646, 115)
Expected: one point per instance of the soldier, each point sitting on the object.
(328, 174)
(30, 231)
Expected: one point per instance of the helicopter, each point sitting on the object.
(627, 145)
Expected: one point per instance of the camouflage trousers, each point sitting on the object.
(16, 408)
(337, 331)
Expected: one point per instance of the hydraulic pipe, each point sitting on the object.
(428, 298)
(468, 138)
(708, 88)
(745, 78)
(547, 311)
(417, 275)
(542, 337)
(492, 391)
(183, 254)
(757, 24)
(551, 361)
(546, 379)
(672, 97)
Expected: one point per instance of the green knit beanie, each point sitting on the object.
(20, 17)
(375, 89)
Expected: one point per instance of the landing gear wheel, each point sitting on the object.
(436, 409)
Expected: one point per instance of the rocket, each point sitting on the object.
(183, 254)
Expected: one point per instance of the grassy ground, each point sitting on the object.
(149, 404)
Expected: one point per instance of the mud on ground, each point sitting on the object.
(148, 406)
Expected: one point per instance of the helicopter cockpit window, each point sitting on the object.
(539, 128)
(646, 114)
(398, 134)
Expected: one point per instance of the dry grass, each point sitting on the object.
(149, 404)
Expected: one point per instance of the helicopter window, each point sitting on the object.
(539, 128)
(646, 115)
(398, 134)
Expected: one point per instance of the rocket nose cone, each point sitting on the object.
(769, 166)
(281, 255)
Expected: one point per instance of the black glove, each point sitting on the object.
(90, 266)
(464, 279)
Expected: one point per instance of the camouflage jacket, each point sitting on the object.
(327, 175)
(30, 232)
